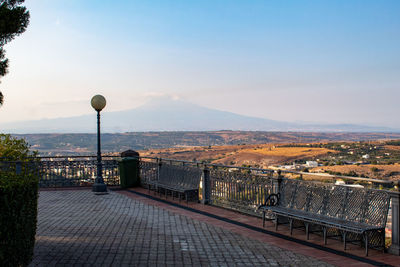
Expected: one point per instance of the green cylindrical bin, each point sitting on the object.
(129, 169)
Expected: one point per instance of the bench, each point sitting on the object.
(343, 209)
(182, 181)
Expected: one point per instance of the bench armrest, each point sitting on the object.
(271, 200)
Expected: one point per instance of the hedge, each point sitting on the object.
(18, 218)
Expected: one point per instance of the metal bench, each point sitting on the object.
(180, 181)
(343, 210)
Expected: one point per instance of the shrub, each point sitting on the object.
(18, 217)
(374, 169)
(14, 149)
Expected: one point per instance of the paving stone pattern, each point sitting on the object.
(78, 228)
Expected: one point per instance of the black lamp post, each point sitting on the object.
(98, 103)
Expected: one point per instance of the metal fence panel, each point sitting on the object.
(239, 190)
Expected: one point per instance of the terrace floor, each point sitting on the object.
(134, 228)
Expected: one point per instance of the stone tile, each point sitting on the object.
(78, 228)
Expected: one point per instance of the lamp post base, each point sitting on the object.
(99, 188)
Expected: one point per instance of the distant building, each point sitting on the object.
(311, 163)
(340, 182)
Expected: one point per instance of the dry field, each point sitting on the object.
(384, 172)
(396, 148)
(266, 155)
(254, 155)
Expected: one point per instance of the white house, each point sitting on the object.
(311, 163)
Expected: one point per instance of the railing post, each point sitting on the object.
(280, 177)
(158, 168)
(206, 186)
(395, 247)
(18, 167)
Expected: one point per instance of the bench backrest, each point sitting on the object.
(335, 200)
(378, 203)
(317, 199)
(301, 199)
(361, 205)
(180, 176)
(287, 192)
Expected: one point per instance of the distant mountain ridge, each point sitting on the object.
(165, 114)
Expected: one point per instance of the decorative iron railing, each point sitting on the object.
(239, 189)
(19, 167)
(230, 187)
(148, 171)
(66, 171)
(76, 171)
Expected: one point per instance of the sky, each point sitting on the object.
(298, 61)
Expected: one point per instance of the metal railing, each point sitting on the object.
(230, 184)
(243, 188)
(238, 188)
(19, 167)
(68, 171)
(76, 172)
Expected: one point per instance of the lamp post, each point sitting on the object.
(98, 103)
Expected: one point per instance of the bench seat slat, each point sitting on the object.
(323, 220)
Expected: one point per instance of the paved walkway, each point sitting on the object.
(78, 228)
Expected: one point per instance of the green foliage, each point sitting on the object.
(13, 21)
(18, 201)
(374, 169)
(18, 217)
(393, 142)
(350, 173)
(14, 149)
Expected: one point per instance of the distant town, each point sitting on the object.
(373, 155)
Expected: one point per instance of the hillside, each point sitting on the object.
(78, 144)
(261, 156)
(373, 159)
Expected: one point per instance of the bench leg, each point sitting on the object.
(383, 241)
(324, 231)
(276, 223)
(263, 218)
(291, 226)
(307, 230)
(366, 243)
(344, 240)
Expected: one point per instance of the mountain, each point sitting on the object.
(165, 114)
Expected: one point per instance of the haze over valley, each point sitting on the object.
(167, 114)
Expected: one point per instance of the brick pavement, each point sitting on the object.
(78, 228)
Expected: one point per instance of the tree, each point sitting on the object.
(12, 148)
(14, 20)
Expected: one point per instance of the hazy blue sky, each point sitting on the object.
(320, 61)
